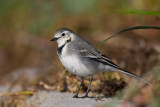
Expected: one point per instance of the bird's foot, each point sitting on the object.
(75, 96)
(85, 96)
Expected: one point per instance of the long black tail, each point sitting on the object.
(133, 75)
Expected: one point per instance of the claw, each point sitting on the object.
(85, 96)
(75, 96)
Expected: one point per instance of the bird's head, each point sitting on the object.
(63, 35)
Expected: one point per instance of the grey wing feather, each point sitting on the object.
(86, 50)
(98, 57)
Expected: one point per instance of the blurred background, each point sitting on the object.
(28, 58)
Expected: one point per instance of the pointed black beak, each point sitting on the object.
(54, 39)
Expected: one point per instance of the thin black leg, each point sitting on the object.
(76, 95)
(86, 95)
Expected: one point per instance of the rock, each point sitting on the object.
(57, 99)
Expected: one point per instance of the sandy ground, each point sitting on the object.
(24, 79)
(41, 98)
(17, 80)
(56, 99)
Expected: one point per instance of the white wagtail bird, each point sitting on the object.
(80, 58)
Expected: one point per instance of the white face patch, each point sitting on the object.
(62, 41)
(63, 38)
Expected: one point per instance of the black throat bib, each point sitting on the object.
(59, 50)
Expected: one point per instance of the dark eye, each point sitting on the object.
(63, 34)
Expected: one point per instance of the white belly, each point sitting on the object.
(75, 66)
